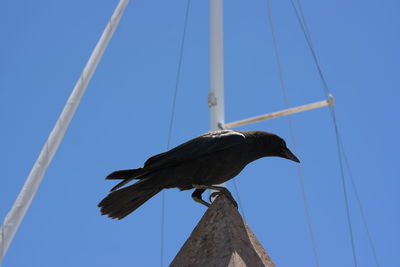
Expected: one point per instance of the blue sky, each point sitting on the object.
(124, 116)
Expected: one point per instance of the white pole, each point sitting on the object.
(21, 205)
(277, 114)
(216, 95)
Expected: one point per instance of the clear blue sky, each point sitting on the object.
(124, 116)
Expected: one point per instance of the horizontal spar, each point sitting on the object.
(285, 112)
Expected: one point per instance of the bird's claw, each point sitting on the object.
(227, 194)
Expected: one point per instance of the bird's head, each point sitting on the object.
(281, 150)
(276, 147)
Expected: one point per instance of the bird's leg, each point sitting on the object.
(197, 197)
(220, 190)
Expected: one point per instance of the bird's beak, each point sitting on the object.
(287, 154)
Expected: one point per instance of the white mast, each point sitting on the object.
(216, 94)
(22, 203)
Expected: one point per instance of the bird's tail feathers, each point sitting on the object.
(126, 176)
(118, 204)
(123, 174)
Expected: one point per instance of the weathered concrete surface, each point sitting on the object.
(222, 238)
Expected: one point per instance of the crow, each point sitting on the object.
(201, 163)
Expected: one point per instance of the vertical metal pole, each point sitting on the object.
(24, 199)
(216, 94)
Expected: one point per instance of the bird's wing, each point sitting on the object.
(203, 145)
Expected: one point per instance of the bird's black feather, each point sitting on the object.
(202, 162)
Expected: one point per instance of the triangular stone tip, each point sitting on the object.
(222, 238)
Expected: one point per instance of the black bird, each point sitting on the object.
(201, 163)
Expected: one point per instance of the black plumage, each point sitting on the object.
(201, 163)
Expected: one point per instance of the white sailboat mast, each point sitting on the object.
(216, 94)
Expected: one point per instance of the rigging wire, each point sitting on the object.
(303, 25)
(360, 206)
(344, 188)
(340, 147)
(292, 136)
(171, 123)
(304, 28)
(238, 198)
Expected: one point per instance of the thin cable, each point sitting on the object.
(303, 26)
(162, 228)
(302, 22)
(171, 123)
(344, 188)
(1, 247)
(238, 198)
(292, 136)
(360, 206)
